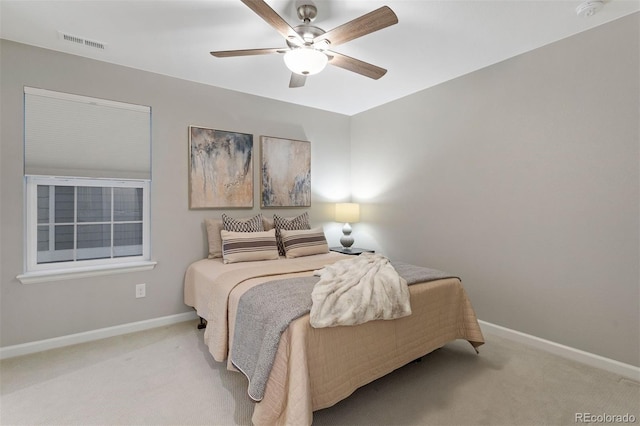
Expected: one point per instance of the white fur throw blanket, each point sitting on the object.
(359, 289)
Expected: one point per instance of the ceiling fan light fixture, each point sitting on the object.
(305, 61)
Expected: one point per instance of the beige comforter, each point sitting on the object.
(316, 368)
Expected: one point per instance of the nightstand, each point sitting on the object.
(351, 250)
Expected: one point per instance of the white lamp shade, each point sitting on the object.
(305, 61)
(347, 212)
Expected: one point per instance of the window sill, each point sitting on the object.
(93, 271)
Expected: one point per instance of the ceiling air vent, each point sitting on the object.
(80, 40)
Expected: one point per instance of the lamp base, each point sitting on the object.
(346, 240)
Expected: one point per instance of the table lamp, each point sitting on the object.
(347, 213)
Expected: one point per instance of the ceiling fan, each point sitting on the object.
(308, 48)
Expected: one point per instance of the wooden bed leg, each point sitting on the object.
(203, 324)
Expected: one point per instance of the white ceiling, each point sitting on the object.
(433, 42)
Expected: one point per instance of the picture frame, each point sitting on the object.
(285, 172)
(220, 169)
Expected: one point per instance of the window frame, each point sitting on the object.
(35, 272)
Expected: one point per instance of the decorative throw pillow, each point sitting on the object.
(290, 224)
(253, 224)
(214, 226)
(267, 223)
(304, 242)
(248, 246)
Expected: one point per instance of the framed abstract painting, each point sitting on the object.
(285, 172)
(220, 169)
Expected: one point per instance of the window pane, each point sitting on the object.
(94, 241)
(63, 244)
(127, 204)
(127, 239)
(64, 204)
(43, 203)
(64, 237)
(43, 238)
(94, 204)
(94, 236)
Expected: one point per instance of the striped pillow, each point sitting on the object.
(214, 226)
(253, 224)
(304, 242)
(248, 246)
(290, 224)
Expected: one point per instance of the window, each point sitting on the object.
(87, 186)
(85, 221)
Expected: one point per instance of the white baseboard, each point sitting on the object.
(89, 336)
(613, 366)
(593, 360)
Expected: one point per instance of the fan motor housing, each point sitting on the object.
(307, 32)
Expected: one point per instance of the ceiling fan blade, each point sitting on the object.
(355, 65)
(366, 24)
(265, 11)
(246, 52)
(297, 80)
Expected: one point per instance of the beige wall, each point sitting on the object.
(522, 177)
(31, 312)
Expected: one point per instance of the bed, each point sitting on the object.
(315, 368)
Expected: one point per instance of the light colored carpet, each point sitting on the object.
(166, 376)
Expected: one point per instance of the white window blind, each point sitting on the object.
(71, 135)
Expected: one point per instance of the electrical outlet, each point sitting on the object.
(141, 290)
